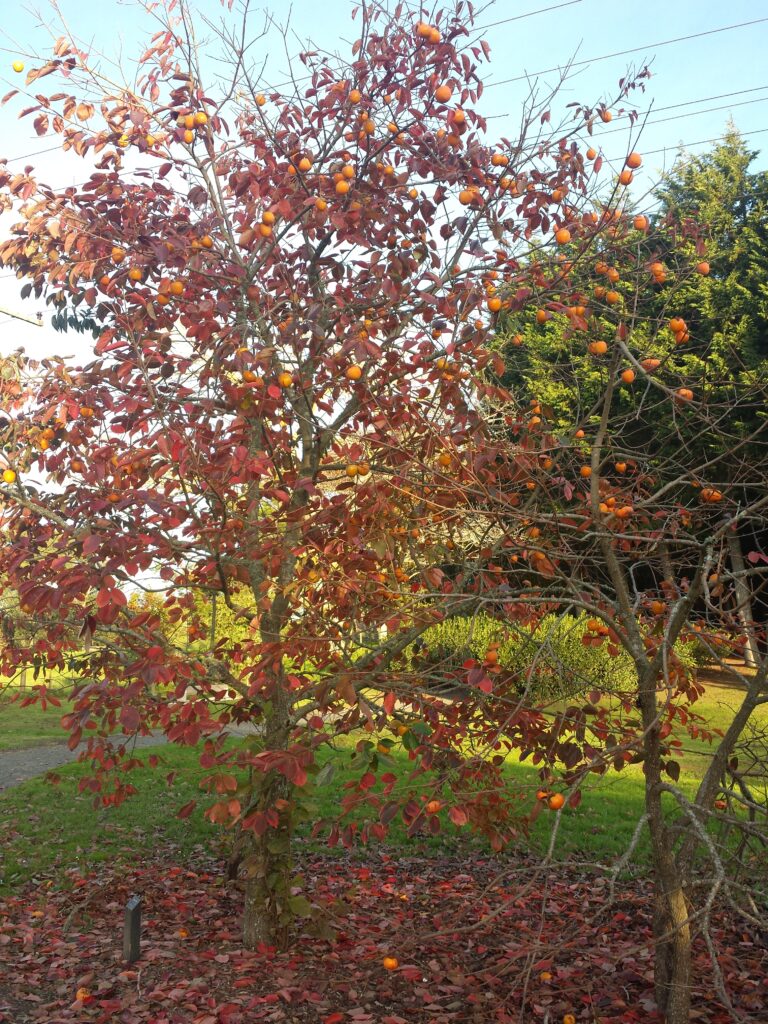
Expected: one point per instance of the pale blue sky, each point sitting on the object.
(696, 72)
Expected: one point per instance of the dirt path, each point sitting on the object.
(19, 765)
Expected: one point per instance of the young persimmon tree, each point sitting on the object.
(646, 452)
(293, 292)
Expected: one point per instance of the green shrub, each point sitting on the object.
(550, 660)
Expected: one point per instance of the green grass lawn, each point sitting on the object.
(49, 829)
(30, 727)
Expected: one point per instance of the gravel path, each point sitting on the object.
(19, 765)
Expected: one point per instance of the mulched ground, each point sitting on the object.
(478, 941)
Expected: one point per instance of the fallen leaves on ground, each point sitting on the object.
(477, 941)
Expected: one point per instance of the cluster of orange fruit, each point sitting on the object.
(189, 123)
(167, 288)
(554, 800)
(429, 33)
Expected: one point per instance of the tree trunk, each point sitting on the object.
(267, 863)
(672, 938)
(671, 931)
(743, 598)
(267, 867)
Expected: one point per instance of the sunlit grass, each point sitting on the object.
(50, 829)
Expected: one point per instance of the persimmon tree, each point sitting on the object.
(294, 292)
(634, 462)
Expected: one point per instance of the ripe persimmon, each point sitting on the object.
(285, 379)
(494, 304)
(650, 364)
(353, 372)
(625, 177)
(585, 471)
(443, 93)
(118, 254)
(562, 236)
(627, 376)
(634, 160)
(9, 476)
(702, 268)
(710, 495)
(134, 274)
(200, 118)
(597, 348)
(390, 963)
(342, 187)
(556, 801)
(640, 222)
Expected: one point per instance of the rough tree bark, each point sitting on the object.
(671, 930)
(267, 862)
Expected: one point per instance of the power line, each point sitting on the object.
(26, 156)
(687, 145)
(692, 113)
(528, 14)
(623, 53)
(673, 106)
(702, 99)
